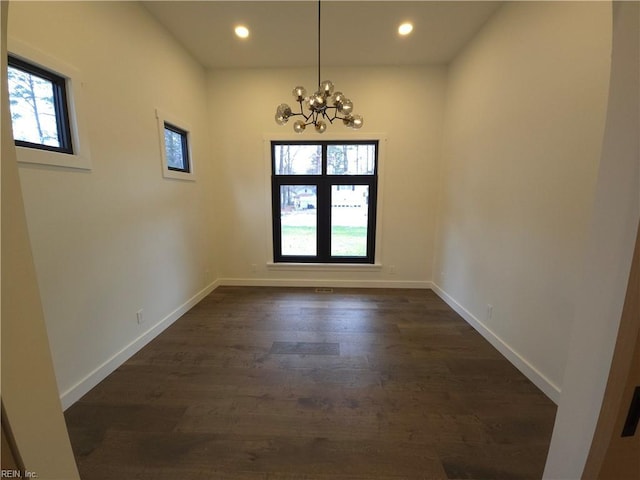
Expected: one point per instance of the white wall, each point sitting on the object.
(605, 276)
(29, 392)
(120, 237)
(524, 122)
(404, 104)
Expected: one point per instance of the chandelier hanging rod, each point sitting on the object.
(319, 42)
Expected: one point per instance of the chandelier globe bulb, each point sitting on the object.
(283, 112)
(326, 87)
(299, 93)
(299, 126)
(345, 107)
(317, 101)
(321, 126)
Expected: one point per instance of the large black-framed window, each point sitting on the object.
(39, 107)
(324, 201)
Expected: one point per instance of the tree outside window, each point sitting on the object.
(37, 100)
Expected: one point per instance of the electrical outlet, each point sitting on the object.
(392, 269)
(489, 311)
(139, 316)
(254, 267)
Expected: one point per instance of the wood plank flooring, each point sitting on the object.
(294, 384)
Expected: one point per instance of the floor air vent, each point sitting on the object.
(324, 290)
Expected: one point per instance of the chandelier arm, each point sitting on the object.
(306, 117)
(338, 117)
(335, 114)
(330, 118)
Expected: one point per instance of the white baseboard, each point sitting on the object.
(288, 282)
(73, 394)
(550, 389)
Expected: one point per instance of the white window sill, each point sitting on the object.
(325, 267)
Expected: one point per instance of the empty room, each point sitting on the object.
(319, 239)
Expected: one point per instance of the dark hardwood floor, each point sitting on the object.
(294, 384)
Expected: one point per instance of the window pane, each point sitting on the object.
(298, 159)
(349, 220)
(175, 144)
(353, 159)
(32, 105)
(298, 219)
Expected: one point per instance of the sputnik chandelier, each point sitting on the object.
(322, 106)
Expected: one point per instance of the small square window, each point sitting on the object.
(39, 107)
(176, 148)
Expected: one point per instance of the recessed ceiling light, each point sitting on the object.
(242, 31)
(405, 29)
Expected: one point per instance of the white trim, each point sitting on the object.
(266, 156)
(549, 388)
(77, 391)
(382, 160)
(337, 283)
(325, 137)
(162, 118)
(325, 267)
(81, 157)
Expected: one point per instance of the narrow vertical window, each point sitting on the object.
(39, 107)
(176, 148)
